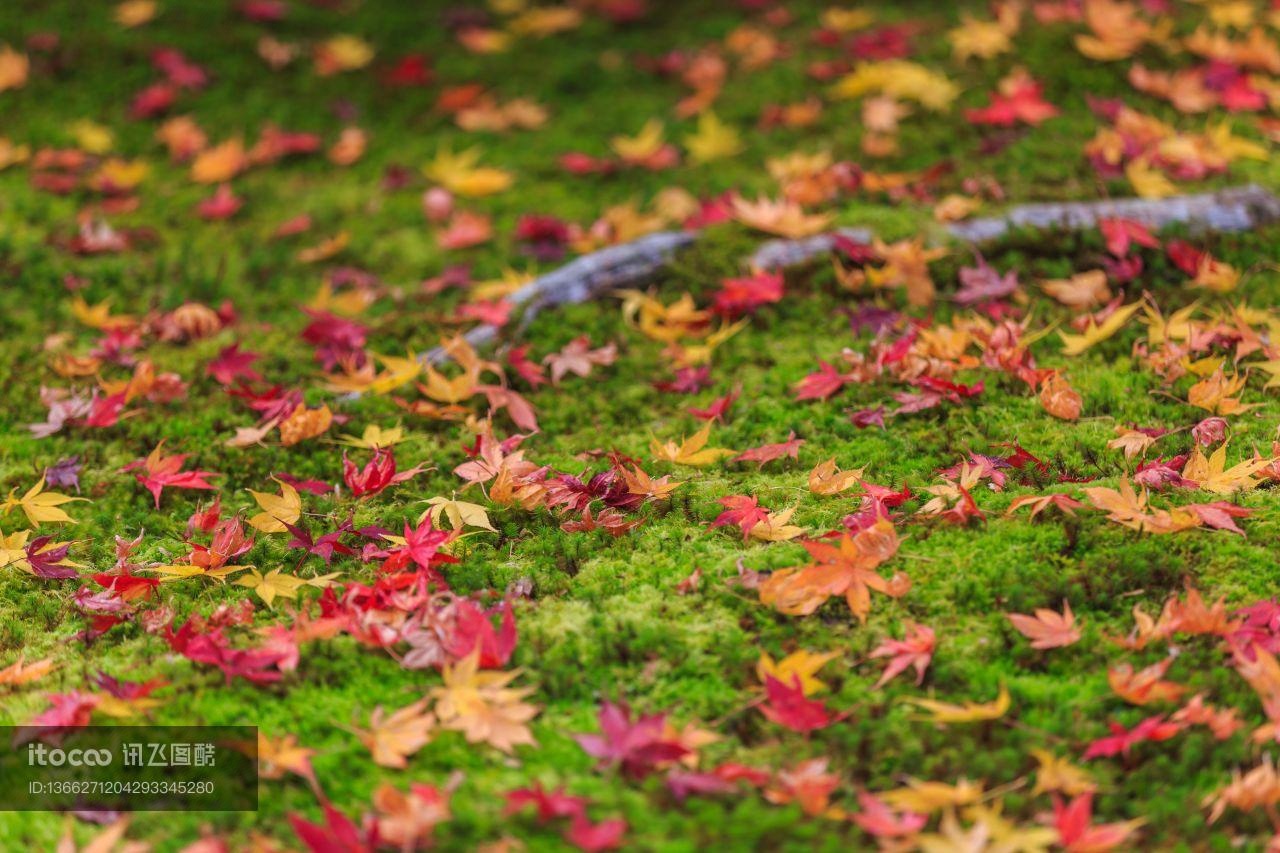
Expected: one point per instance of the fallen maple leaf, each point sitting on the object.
(945, 713)
(166, 471)
(1047, 629)
(393, 738)
(691, 451)
(1122, 740)
(1096, 333)
(769, 452)
(482, 706)
(1146, 685)
(20, 672)
(41, 507)
(1039, 503)
(827, 479)
(847, 569)
(284, 754)
(788, 706)
(461, 175)
(1212, 475)
(1077, 832)
(460, 513)
(277, 510)
(915, 649)
(638, 745)
(274, 583)
(801, 665)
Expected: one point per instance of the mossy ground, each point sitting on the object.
(604, 619)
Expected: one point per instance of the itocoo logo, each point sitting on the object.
(44, 756)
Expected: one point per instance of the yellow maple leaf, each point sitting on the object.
(462, 175)
(802, 665)
(482, 706)
(926, 797)
(391, 739)
(374, 437)
(1096, 333)
(459, 513)
(1059, 775)
(179, 571)
(1231, 147)
(13, 551)
(325, 249)
(968, 712)
(643, 145)
(826, 478)
(691, 451)
(1218, 276)
(983, 39)
(449, 390)
(714, 140)
(122, 708)
(342, 53)
(91, 136)
(776, 527)
(277, 510)
(274, 584)
(1212, 475)
(99, 316)
(11, 154)
(846, 20)
(900, 78)
(543, 21)
(41, 507)
(1148, 182)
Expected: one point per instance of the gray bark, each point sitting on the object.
(1233, 209)
(586, 278)
(630, 264)
(778, 254)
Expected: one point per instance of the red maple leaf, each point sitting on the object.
(914, 650)
(1021, 102)
(788, 706)
(823, 383)
(593, 837)
(637, 745)
(66, 711)
(549, 804)
(738, 296)
(1120, 233)
(769, 452)
(231, 364)
(1077, 832)
(743, 511)
(1121, 740)
(166, 471)
(718, 408)
(473, 629)
(338, 833)
(378, 473)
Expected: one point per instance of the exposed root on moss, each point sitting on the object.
(634, 263)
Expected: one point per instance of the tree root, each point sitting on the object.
(630, 264)
(1233, 209)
